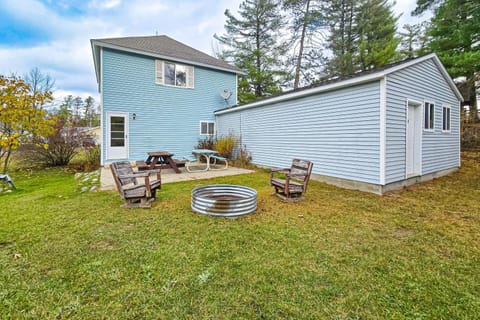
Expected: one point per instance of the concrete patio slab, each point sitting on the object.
(169, 176)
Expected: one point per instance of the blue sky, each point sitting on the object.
(55, 35)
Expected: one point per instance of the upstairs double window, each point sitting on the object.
(173, 74)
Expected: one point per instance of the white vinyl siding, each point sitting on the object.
(174, 74)
(421, 82)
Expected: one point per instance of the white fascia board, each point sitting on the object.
(102, 118)
(383, 128)
(307, 92)
(96, 61)
(163, 57)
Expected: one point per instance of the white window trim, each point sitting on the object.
(449, 119)
(432, 129)
(162, 82)
(207, 122)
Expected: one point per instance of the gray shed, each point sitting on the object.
(375, 131)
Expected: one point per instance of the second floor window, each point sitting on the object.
(173, 74)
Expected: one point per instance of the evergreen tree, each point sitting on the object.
(455, 37)
(64, 112)
(343, 39)
(413, 40)
(251, 41)
(376, 29)
(91, 114)
(306, 26)
(362, 35)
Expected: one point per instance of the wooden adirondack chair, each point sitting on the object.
(137, 194)
(296, 180)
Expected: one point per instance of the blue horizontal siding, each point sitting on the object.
(338, 130)
(440, 151)
(167, 118)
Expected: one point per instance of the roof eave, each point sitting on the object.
(159, 56)
(96, 61)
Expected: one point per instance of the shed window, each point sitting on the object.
(429, 111)
(173, 74)
(207, 128)
(446, 119)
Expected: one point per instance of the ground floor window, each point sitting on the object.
(446, 119)
(429, 112)
(207, 128)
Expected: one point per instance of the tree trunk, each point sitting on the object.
(300, 52)
(258, 86)
(7, 159)
(472, 97)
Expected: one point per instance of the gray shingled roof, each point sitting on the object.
(168, 48)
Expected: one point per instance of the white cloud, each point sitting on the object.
(108, 4)
(66, 54)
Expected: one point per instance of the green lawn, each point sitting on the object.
(341, 254)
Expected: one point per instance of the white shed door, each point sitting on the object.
(414, 140)
(117, 135)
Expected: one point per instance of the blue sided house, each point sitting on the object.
(158, 94)
(375, 131)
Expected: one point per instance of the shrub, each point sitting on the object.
(207, 143)
(86, 160)
(225, 146)
(92, 157)
(243, 159)
(61, 147)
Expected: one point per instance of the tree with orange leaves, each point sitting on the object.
(21, 121)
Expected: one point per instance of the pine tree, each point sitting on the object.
(306, 26)
(251, 41)
(455, 37)
(413, 40)
(343, 39)
(376, 29)
(362, 35)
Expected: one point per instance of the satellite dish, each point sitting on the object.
(226, 93)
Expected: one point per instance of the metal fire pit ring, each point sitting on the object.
(224, 200)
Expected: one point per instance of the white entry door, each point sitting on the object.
(414, 140)
(117, 135)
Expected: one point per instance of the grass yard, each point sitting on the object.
(341, 254)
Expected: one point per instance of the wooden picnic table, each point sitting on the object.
(158, 160)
